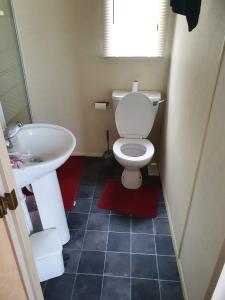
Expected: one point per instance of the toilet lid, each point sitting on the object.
(134, 116)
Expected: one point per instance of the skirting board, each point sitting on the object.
(180, 270)
(88, 154)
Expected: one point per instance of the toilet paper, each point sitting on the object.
(135, 85)
(100, 105)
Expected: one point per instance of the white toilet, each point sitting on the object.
(134, 115)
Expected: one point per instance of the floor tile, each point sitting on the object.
(87, 287)
(143, 289)
(76, 240)
(96, 209)
(88, 180)
(98, 191)
(161, 226)
(91, 262)
(77, 221)
(43, 285)
(60, 287)
(120, 223)
(98, 222)
(117, 264)
(95, 240)
(164, 245)
(144, 266)
(86, 191)
(105, 173)
(160, 197)
(116, 288)
(82, 205)
(143, 243)
(119, 242)
(171, 290)
(91, 255)
(168, 268)
(71, 260)
(152, 181)
(91, 166)
(142, 225)
(161, 210)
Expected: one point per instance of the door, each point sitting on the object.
(18, 276)
(9, 271)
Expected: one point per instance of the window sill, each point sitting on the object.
(134, 57)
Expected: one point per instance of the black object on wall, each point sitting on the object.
(188, 8)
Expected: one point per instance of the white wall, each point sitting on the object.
(62, 43)
(192, 163)
(205, 230)
(195, 63)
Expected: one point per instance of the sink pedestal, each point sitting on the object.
(50, 205)
(27, 218)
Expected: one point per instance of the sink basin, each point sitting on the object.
(53, 144)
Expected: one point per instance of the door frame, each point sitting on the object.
(17, 230)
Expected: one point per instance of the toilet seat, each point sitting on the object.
(137, 160)
(134, 116)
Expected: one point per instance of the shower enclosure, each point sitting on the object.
(14, 104)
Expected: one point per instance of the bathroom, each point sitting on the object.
(54, 70)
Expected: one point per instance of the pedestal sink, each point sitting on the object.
(53, 145)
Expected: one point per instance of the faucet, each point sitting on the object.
(10, 132)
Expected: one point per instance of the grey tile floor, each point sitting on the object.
(112, 256)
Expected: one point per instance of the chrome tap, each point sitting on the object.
(10, 132)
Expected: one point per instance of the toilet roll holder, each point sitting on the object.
(101, 102)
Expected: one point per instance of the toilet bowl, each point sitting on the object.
(133, 154)
(134, 116)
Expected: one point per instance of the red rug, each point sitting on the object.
(141, 202)
(69, 175)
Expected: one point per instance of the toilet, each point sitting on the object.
(135, 114)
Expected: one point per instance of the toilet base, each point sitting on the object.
(131, 179)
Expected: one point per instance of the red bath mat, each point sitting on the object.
(141, 202)
(69, 175)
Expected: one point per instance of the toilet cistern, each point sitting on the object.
(135, 114)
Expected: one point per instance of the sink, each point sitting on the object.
(53, 144)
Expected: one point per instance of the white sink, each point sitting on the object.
(53, 144)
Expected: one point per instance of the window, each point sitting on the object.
(135, 28)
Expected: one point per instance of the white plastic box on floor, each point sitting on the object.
(47, 250)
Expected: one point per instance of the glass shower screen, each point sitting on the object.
(14, 104)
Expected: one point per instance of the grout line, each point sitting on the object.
(122, 232)
(141, 233)
(107, 214)
(81, 248)
(120, 252)
(118, 276)
(157, 265)
(107, 239)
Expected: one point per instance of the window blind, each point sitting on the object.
(135, 28)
